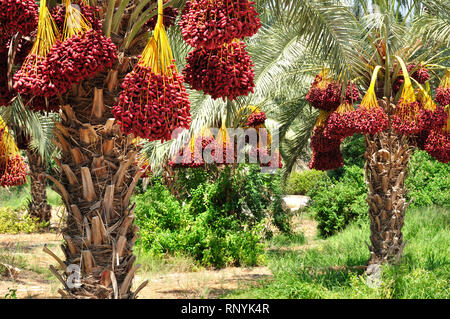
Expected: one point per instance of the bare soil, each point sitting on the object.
(34, 280)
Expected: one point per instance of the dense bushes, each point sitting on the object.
(218, 223)
(337, 202)
(428, 181)
(300, 183)
(14, 222)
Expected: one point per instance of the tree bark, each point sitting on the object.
(387, 156)
(38, 208)
(96, 180)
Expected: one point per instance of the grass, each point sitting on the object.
(330, 270)
(287, 240)
(151, 264)
(18, 197)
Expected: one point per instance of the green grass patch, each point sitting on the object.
(152, 264)
(331, 270)
(287, 240)
(18, 197)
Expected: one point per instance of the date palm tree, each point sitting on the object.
(352, 39)
(33, 133)
(97, 171)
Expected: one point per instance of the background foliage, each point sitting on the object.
(218, 223)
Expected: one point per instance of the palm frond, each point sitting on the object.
(38, 127)
(433, 29)
(295, 147)
(330, 30)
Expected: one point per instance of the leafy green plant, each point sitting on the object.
(300, 183)
(334, 203)
(15, 221)
(11, 294)
(428, 182)
(209, 226)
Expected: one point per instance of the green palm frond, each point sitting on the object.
(38, 127)
(296, 146)
(330, 30)
(437, 8)
(433, 29)
(276, 53)
(45, 146)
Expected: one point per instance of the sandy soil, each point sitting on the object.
(34, 280)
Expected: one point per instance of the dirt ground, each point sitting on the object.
(34, 280)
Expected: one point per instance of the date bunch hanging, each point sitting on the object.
(192, 154)
(90, 13)
(209, 24)
(431, 116)
(326, 150)
(250, 116)
(18, 16)
(13, 170)
(225, 152)
(225, 72)
(341, 122)
(443, 91)
(83, 51)
(153, 101)
(325, 93)
(369, 117)
(325, 161)
(406, 116)
(34, 78)
(419, 73)
(169, 16)
(438, 141)
(256, 119)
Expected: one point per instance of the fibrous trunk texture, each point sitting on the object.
(387, 156)
(38, 208)
(97, 177)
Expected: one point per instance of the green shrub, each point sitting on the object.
(334, 203)
(428, 181)
(260, 196)
(207, 227)
(353, 149)
(300, 183)
(337, 201)
(248, 194)
(14, 222)
(188, 179)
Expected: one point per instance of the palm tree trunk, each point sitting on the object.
(38, 208)
(97, 178)
(387, 155)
